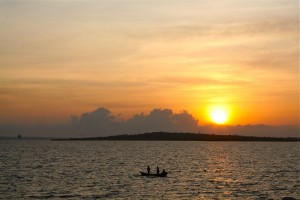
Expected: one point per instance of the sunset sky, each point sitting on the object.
(61, 58)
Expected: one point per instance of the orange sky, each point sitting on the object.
(62, 58)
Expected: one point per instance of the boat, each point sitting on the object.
(163, 174)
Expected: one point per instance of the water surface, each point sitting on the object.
(110, 169)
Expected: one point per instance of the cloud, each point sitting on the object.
(260, 130)
(101, 122)
(162, 120)
(193, 80)
(227, 30)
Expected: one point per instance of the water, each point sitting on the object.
(110, 169)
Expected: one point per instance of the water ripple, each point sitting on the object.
(110, 169)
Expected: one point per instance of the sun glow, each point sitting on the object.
(219, 115)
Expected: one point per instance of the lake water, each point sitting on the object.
(110, 169)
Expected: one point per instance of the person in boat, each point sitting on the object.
(157, 170)
(148, 170)
(163, 172)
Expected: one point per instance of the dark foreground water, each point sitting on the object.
(110, 169)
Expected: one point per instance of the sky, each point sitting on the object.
(64, 58)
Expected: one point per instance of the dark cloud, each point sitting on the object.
(254, 130)
(102, 122)
(96, 123)
(161, 120)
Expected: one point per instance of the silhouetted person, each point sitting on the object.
(157, 170)
(148, 170)
(163, 172)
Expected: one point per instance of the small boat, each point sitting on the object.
(163, 174)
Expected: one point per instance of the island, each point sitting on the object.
(168, 136)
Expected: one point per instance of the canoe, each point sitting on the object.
(155, 175)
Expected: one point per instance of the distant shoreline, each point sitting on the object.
(168, 136)
(24, 138)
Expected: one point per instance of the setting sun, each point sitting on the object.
(219, 115)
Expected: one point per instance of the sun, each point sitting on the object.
(219, 115)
